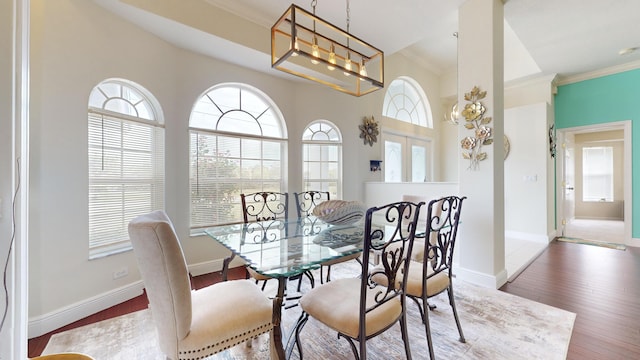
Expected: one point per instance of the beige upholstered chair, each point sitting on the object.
(357, 308)
(193, 324)
(306, 201)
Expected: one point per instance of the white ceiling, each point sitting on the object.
(564, 37)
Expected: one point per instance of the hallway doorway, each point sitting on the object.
(606, 218)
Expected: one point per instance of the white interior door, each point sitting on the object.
(568, 182)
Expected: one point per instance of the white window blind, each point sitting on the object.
(597, 173)
(126, 176)
(237, 145)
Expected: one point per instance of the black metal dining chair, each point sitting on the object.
(306, 201)
(269, 206)
(265, 205)
(359, 308)
(434, 274)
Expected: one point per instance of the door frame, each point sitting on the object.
(560, 191)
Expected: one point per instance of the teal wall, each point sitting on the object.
(606, 99)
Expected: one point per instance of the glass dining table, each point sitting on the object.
(284, 249)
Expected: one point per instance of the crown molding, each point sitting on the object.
(564, 80)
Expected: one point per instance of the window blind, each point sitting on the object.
(222, 167)
(126, 178)
(597, 173)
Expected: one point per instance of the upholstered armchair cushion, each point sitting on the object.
(435, 284)
(224, 315)
(336, 304)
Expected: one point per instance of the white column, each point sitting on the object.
(481, 63)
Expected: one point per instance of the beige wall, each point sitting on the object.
(75, 45)
(601, 210)
(6, 86)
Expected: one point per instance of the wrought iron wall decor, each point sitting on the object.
(475, 120)
(552, 140)
(369, 130)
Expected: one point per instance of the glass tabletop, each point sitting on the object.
(279, 248)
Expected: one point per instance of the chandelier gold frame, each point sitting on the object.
(305, 45)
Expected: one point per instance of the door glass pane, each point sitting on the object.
(418, 164)
(392, 161)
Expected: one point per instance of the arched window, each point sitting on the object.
(237, 145)
(126, 162)
(322, 158)
(407, 157)
(406, 101)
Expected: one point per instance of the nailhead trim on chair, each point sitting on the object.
(223, 345)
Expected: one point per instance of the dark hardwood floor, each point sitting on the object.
(600, 285)
(37, 345)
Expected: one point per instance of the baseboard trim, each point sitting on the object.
(472, 276)
(544, 239)
(207, 267)
(46, 323)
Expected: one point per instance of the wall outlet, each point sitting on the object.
(120, 273)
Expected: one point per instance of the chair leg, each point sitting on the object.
(302, 320)
(427, 330)
(405, 335)
(455, 313)
(328, 273)
(225, 266)
(299, 283)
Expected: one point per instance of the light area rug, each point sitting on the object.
(496, 325)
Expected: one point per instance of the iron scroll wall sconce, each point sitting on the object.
(305, 45)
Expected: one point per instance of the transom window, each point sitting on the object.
(406, 101)
(126, 162)
(322, 158)
(237, 145)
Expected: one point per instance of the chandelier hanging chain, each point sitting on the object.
(348, 17)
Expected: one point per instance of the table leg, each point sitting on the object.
(277, 318)
(225, 265)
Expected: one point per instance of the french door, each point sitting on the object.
(406, 158)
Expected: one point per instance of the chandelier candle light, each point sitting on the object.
(305, 45)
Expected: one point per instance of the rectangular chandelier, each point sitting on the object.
(303, 44)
